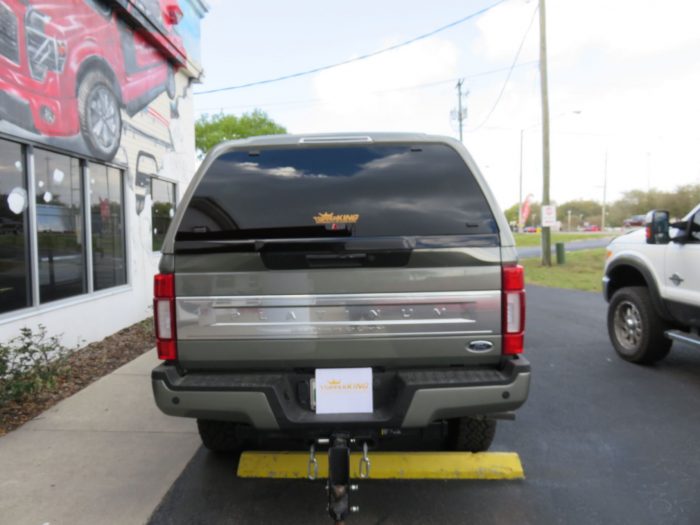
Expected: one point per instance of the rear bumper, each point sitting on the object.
(402, 398)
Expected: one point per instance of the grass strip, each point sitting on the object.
(535, 239)
(583, 271)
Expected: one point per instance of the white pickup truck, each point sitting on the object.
(652, 285)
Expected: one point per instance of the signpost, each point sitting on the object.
(549, 216)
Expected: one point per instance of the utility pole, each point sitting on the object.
(568, 221)
(461, 113)
(546, 238)
(605, 190)
(648, 171)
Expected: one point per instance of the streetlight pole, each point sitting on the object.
(648, 171)
(546, 238)
(520, 194)
(605, 191)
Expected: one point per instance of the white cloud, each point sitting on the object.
(363, 97)
(626, 28)
(650, 131)
(502, 29)
(630, 66)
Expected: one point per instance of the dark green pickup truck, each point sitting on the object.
(358, 283)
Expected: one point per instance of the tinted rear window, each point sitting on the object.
(388, 190)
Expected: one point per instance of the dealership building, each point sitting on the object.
(96, 146)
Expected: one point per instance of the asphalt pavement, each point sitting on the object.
(601, 441)
(572, 246)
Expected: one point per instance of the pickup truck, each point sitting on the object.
(652, 284)
(362, 285)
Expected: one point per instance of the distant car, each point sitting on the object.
(529, 229)
(635, 220)
(592, 228)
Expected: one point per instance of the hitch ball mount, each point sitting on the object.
(338, 485)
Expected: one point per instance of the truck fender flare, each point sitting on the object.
(639, 265)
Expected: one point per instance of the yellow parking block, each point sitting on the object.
(388, 465)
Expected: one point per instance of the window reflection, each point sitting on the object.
(59, 224)
(162, 209)
(14, 258)
(390, 190)
(107, 221)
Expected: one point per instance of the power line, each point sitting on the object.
(312, 101)
(510, 72)
(348, 61)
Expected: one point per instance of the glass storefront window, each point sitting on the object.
(61, 266)
(59, 211)
(15, 287)
(107, 224)
(162, 209)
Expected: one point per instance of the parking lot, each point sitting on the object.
(601, 441)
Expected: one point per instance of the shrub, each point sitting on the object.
(29, 363)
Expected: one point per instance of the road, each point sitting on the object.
(536, 251)
(601, 441)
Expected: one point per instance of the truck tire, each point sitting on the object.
(471, 434)
(635, 329)
(99, 111)
(221, 436)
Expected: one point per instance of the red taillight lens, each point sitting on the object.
(164, 286)
(513, 278)
(513, 310)
(164, 315)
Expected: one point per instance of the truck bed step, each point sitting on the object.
(684, 337)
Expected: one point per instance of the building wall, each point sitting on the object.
(137, 54)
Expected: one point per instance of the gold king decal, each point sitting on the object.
(327, 217)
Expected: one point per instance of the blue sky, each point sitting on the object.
(631, 68)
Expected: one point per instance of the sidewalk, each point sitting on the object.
(105, 455)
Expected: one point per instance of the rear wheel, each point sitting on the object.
(223, 436)
(635, 329)
(471, 434)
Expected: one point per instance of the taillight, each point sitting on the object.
(164, 313)
(513, 309)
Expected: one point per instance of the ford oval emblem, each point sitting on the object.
(480, 346)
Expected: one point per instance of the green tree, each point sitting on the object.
(633, 202)
(637, 202)
(210, 130)
(582, 211)
(512, 214)
(533, 218)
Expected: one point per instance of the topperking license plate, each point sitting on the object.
(344, 391)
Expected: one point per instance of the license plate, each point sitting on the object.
(344, 391)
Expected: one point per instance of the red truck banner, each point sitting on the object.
(525, 211)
